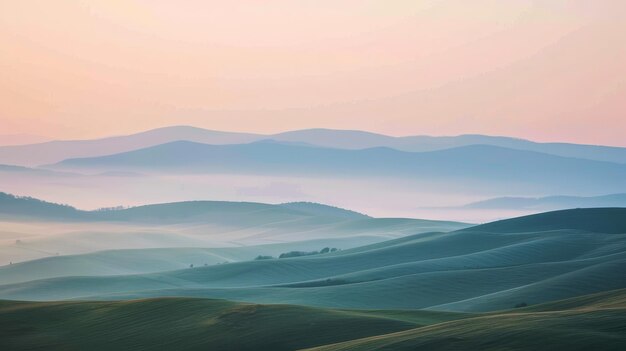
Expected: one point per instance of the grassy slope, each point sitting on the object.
(31, 229)
(595, 322)
(225, 213)
(601, 220)
(47, 239)
(191, 324)
(136, 261)
(456, 271)
(50, 238)
(461, 271)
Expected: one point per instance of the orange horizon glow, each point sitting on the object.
(539, 70)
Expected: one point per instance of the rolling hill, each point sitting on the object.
(595, 322)
(588, 322)
(12, 206)
(151, 260)
(225, 212)
(600, 220)
(322, 210)
(33, 229)
(189, 324)
(475, 269)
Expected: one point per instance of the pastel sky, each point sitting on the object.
(549, 70)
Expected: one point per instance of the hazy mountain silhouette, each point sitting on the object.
(353, 139)
(475, 165)
(55, 151)
(28, 171)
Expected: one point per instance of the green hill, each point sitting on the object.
(214, 212)
(191, 324)
(322, 210)
(466, 270)
(136, 261)
(596, 322)
(14, 206)
(598, 220)
(593, 322)
(35, 229)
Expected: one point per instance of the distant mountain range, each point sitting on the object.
(56, 151)
(474, 165)
(321, 165)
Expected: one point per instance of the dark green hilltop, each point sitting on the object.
(593, 322)
(597, 220)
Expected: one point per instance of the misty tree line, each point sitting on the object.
(298, 253)
(286, 255)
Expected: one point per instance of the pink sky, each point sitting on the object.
(543, 70)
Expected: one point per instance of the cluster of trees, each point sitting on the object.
(298, 253)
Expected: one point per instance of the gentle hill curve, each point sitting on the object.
(199, 324)
(457, 271)
(323, 210)
(599, 220)
(190, 324)
(567, 325)
(187, 224)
